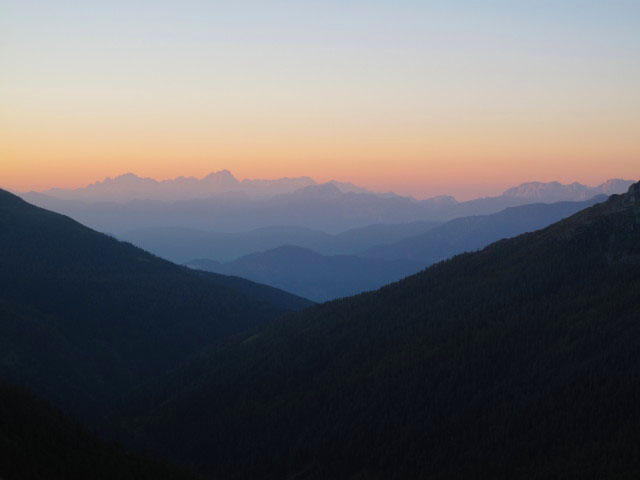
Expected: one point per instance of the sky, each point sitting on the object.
(419, 97)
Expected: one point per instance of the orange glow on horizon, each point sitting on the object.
(420, 98)
(465, 160)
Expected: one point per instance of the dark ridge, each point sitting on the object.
(520, 361)
(38, 442)
(85, 317)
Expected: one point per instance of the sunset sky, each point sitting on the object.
(420, 97)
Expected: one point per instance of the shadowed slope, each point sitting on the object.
(84, 317)
(39, 442)
(518, 361)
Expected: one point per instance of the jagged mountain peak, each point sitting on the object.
(130, 186)
(556, 191)
(613, 185)
(347, 187)
(221, 178)
(126, 177)
(322, 189)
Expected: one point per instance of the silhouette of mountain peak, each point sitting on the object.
(126, 178)
(631, 197)
(322, 189)
(556, 191)
(221, 177)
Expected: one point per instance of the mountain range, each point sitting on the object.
(517, 361)
(557, 192)
(331, 207)
(320, 277)
(128, 187)
(321, 207)
(184, 244)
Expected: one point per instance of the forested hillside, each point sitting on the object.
(518, 361)
(39, 442)
(84, 317)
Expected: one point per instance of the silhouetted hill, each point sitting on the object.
(472, 233)
(311, 275)
(520, 361)
(39, 442)
(84, 317)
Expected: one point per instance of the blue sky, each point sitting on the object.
(445, 89)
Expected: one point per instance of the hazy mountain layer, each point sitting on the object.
(321, 207)
(306, 273)
(311, 275)
(331, 207)
(131, 187)
(183, 244)
(472, 233)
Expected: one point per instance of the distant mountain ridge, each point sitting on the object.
(310, 275)
(183, 244)
(555, 191)
(332, 207)
(129, 186)
(321, 207)
(320, 278)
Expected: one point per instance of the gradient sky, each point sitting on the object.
(420, 97)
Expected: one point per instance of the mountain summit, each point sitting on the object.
(557, 192)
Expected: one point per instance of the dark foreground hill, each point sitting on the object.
(311, 275)
(84, 317)
(518, 361)
(39, 442)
